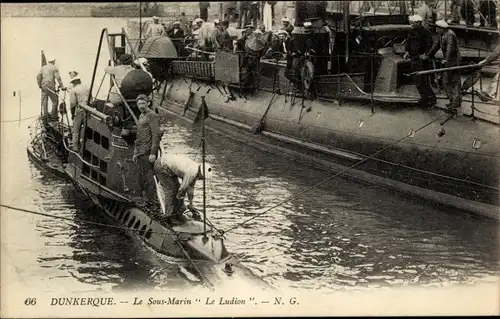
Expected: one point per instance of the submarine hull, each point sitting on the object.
(455, 163)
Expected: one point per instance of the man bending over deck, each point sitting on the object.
(169, 168)
(147, 143)
(79, 94)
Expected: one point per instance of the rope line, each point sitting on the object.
(109, 226)
(331, 177)
(73, 219)
(23, 119)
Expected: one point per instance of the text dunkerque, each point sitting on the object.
(83, 301)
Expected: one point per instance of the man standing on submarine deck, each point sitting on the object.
(147, 143)
(420, 41)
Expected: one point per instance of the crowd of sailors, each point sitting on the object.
(255, 43)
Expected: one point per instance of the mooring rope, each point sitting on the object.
(332, 177)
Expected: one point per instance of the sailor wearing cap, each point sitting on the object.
(47, 78)
(176, 32)
(78, 95)
(286, 25)
(418, 44)
(448, 43)
(278, 46)
(119, 72)
(147, 144)
(155, 29)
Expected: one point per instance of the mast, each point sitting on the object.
(204, 172)
(346, 29)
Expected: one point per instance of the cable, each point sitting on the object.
(23, 119)
(74, 219)
(331, 177)
(109, 226)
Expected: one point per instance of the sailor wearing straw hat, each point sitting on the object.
(155, 29)
(448, 43)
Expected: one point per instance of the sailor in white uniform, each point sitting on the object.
(168, 169)
(155, 29)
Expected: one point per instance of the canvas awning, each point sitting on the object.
(158, 48)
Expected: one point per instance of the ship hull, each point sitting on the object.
(458, 168)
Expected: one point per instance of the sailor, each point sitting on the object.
(254, 47)
(183, 22)
(72, 74)
(137, 65)
(278, 46)
(155, 29)
(198, 22)
(147, 143)
(176, 32)
(420, 41)
(241, 42)
(286, 25)
(494, 60)
(169, 168)
(119, 72)
(221, 37)
(79, 94)
(46, 78)
(292, 59)
(448, 43)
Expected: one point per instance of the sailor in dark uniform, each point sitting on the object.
(448, 43)
(277, 49)
(176, 32)
(292, 60)
(147, 144)
(420, 41)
